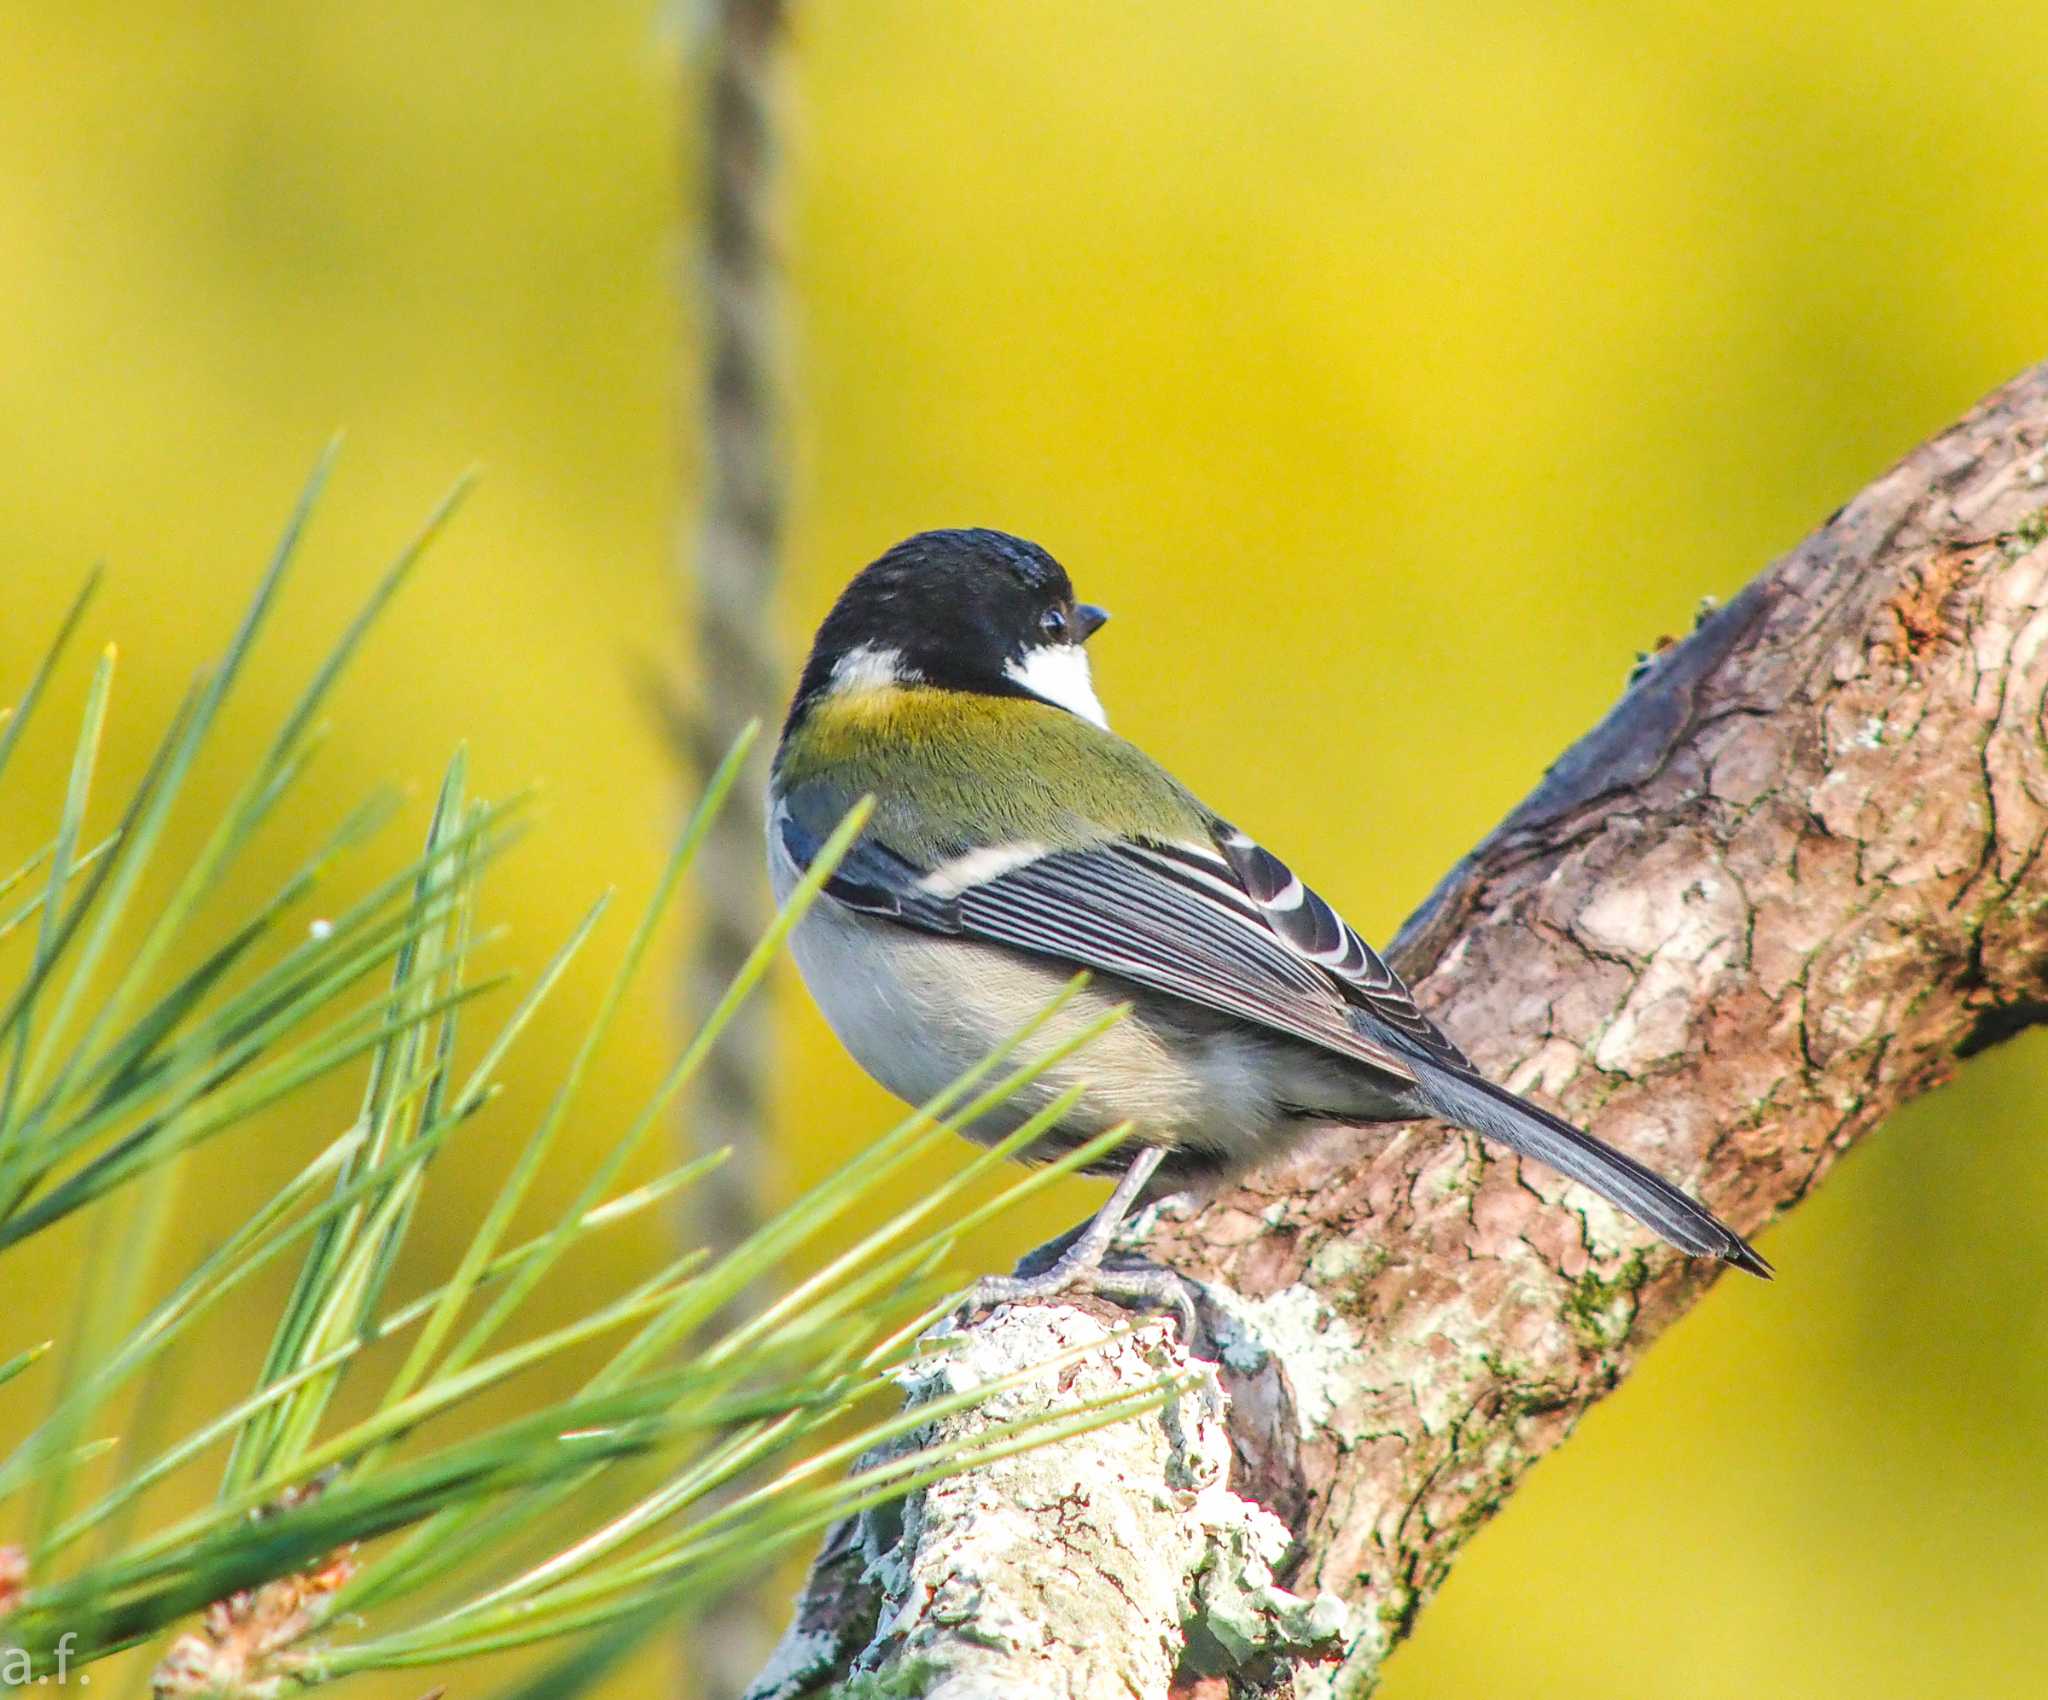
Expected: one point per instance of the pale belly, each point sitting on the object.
(918, 1011)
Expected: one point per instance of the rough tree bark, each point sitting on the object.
(1790, 880)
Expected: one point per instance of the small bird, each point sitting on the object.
(1015, 840)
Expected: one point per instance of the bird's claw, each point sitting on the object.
(1144, 1286)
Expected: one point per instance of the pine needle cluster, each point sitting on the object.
(404, 1533)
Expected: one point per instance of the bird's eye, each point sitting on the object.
(1053, 622)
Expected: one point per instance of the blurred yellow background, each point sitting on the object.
(1394, 372)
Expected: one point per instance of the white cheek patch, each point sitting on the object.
(1059, 673)
(867, 667)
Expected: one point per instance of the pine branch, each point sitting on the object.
(386, 1531)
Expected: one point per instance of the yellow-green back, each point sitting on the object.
(950, 770)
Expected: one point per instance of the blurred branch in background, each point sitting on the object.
(728, 565)
(1789, 882)
(728, 568)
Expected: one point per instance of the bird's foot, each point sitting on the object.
(1139, 1285)
(1074, 1263)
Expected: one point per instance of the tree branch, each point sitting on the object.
(729, 561)
(1790, 880)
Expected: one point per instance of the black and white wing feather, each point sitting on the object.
(1221, 925)
(1228, 927)
(1307, 922)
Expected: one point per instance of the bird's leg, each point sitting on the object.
(1087, 1252)
(1080, 1265)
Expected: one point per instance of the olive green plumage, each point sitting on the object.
(1062, 782)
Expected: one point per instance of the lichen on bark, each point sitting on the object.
(1069, 1571)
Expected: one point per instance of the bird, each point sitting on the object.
(1016, 841)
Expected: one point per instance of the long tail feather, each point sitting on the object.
(1498, 1114)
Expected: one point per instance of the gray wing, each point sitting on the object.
(1178, 919)
(1228, 927)
(1311, 927)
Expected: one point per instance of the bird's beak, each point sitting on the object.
(1092, 619)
